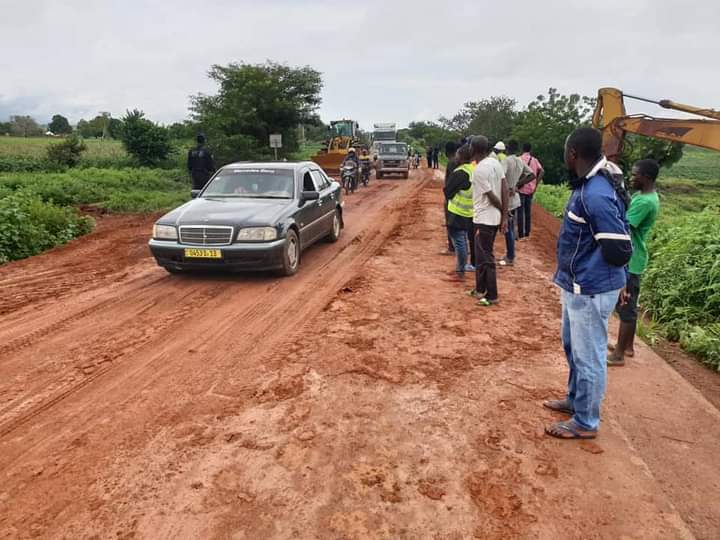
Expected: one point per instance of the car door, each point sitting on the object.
(309, 214)
(326, 202)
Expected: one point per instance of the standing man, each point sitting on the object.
(499, 149)
(490, 204)
(458, 192)
(641, 216)
(200, 163)
(516, 171)
(430, 157)
(450, 149)
(592, 251)
(527, 190)
(436, 157)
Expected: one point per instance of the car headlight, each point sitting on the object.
(164, 232)
(257, 234)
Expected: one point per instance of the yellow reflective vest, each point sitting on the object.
(462, 202)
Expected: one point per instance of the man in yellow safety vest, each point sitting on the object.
(458, 192)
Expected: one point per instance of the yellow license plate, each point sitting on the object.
(194, 253)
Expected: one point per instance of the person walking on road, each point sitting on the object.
(592, 250)
(490, 204)
(641, 216)
(515, 172)
(458, 192)
(527, 190)
(450, 150)
(200, 163)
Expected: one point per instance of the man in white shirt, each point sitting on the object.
(490, 210)
(517, 173)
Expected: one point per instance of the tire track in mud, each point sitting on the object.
(88, 369)
(258, 318)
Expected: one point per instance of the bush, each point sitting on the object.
(97, 186)
(553, 198)
(28, 226)
(147, 142)
(66, 153)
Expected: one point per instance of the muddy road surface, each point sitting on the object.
(365, 397)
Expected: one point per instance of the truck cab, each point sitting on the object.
(392, 158)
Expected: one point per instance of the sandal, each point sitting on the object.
(569, 430)
(487, 303)
(559, 405)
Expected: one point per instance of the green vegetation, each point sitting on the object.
(29, 226)
(30, 154)
(681, 287)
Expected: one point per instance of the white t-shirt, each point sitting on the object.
(486, 177)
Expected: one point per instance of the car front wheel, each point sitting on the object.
(291, 254)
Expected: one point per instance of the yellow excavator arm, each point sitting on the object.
(612, 119)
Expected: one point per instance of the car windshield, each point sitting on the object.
(252, 183)
(393, 149)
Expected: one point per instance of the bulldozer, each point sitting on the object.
(343, 136)
(611, 118)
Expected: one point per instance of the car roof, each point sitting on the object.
(288, 165)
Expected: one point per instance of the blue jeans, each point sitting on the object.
(585, 338)
(510, 237)
(459, 240)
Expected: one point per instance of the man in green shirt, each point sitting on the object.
(641, 216)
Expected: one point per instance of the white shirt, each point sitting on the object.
(486, 177)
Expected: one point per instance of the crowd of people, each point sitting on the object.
(601, 250)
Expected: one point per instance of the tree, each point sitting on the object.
(114, 128)
(493, 117)
(253, 101)
(423, 134)
(24, 126)
(66, 153)
(147, 142)
(59, 125)
(183, 131)
(546, 123)
(5, 128)
(99, 127)
(638, 147)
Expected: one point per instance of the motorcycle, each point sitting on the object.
(349, 177)
(365, 172)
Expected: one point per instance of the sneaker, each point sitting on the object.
(473, 293)
(469, 268)
(506, 262)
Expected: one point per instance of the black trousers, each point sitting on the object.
(485, 271)
(524, 215)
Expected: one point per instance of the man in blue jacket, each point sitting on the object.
(593, 248)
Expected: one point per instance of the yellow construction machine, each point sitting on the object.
(611, 118)
(343, 136)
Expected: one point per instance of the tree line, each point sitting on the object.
(254, 100)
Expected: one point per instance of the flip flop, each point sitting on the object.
(569, 430)
(558, 405)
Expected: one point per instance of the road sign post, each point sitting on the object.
(276, 142)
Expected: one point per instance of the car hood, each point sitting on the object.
(227, 211)
(392, 156)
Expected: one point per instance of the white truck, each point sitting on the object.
(384, 132)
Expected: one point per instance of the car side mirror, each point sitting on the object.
(309, 196)
(194, 193)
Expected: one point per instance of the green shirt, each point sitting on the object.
(641, 216)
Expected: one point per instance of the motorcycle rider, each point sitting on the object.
(365, 164)
(352, 158)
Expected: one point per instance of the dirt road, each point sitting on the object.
(366, 397)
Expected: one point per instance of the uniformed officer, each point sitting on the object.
(200, 163)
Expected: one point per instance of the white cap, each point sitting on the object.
(500, 146)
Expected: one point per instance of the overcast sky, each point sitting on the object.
(390, 60)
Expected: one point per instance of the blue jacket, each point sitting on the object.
(594, 244)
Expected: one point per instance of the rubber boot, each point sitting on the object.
(626, 336)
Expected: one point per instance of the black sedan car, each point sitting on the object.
(251, 216)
